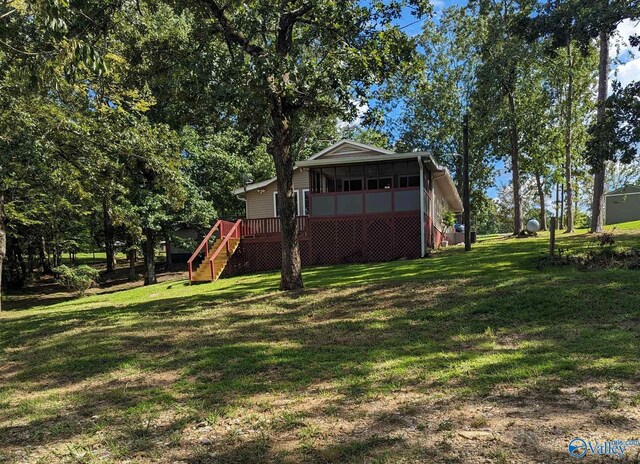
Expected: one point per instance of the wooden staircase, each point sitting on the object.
(218, 254)
(203, 272)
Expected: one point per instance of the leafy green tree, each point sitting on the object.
(299, 60)
(43, 44)
(567, 20)
(156, 185)
(506, 62)
(619, 135)
(540, 140)
(435, 96)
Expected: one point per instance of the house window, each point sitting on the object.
(328, 177)
(349, 179)
(316, 181)
(407, 174)
(276, 206)
(305, 202)
(379, 177)
(323, 180)
(409, 181)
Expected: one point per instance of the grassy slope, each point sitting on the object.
(269, 376)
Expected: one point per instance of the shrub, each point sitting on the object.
(78, 279)
(606, 239)
(581, 220)
(448, 219)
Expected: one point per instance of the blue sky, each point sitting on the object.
(625, 66)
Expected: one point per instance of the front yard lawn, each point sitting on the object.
(478, 357)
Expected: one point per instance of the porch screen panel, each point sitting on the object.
(323, 205)
(349, 204)
(407, 200)
(378, 202)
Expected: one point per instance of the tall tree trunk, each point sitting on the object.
(44, 260)
(543, 209)
(21, 262)
(109, 234)
(168, 261)
(557, 203)
(132, 266)
(3, 242)
(131, 256)
(515, 167)
(56, 253)
(149, 252)
(597, 204)
(567, 141)
(280, 150)
(31, 262)
(14, 264)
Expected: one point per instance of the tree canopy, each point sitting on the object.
(124, 122)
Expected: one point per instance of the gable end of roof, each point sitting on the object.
(346, 143)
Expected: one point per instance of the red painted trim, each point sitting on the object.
(271, 239)
(389, 214)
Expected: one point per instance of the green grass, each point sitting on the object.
(348, 370)
(99, 257)
(634, 225)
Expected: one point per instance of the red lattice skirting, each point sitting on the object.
(333, 240)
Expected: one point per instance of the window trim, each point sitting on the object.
(302, 205)
(275, 203)
(407, 177)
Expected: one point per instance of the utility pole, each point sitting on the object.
(466, 204)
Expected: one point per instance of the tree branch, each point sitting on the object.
(284, 38)
(230, 34)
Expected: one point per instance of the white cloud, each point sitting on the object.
(620, 40)
(628, 72)
(361, 110)
(628, 68)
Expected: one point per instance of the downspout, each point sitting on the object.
(422, 247)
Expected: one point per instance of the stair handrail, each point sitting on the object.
(203, 244)
(235, 232)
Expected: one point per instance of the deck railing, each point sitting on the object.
(268, 227)
(223, 227)
(232, 231)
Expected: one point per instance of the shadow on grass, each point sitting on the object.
(468, 324)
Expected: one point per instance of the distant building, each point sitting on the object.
(622, 205)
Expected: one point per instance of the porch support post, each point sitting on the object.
(422, 245)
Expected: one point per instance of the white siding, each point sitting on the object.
(440, 205)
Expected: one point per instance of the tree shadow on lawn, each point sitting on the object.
(45, 291)
(377, 447)
(464, 337)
